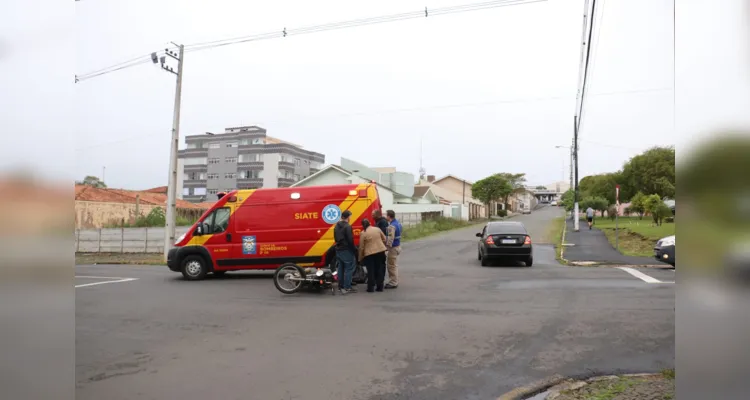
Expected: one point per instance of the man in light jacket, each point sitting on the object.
(393, 243)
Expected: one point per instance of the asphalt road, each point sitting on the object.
(452, 330)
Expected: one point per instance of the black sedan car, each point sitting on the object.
(664, 250)
(505, 240)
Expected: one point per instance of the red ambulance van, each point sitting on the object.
(264, 228)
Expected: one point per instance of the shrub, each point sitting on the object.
(612, 212)
(502, 213)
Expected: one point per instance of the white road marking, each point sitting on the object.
(99, 277)
(103, 282)
(640, 275)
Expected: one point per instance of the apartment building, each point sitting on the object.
(242, 157)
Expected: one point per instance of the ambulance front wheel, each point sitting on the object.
(194, 268)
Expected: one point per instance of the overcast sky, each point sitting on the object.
(370, 93)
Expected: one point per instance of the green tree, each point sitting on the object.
(602, 185)
(638, 204)
(517, 184)
(597, 203)
(91, 180)
(652, 172)
(541, 188)
(568, 199)
(491, 189)
(655, 206)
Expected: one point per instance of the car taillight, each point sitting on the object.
(527, 240)
(489, 240)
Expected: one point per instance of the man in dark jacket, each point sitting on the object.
(380, 222)
(345, 252)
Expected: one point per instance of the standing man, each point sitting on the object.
(380, 222)
(393, 243)
(590, 216)
(345, 252)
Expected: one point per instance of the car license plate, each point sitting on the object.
(508, 241)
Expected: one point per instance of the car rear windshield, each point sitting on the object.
(501, 229)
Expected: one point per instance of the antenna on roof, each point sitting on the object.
(421, 168)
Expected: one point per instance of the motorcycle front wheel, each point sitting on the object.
(288, 278)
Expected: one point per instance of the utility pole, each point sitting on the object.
(588, 25)
(169, 232)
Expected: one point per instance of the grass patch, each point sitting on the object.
(637, 237)
(668, 373)
(556, 230)
(120, 258)
(433, 226)
(624, 388)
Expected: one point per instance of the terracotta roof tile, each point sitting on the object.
(89, 193)
(420, 191)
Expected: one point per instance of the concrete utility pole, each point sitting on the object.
(169, 232)
(588, 25)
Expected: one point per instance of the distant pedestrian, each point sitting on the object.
(345, 252)
(590, 216)
(372, 254)
(393, 243)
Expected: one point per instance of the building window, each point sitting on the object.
(249, 174)
(244, 142)
(193, 145)
(213, 160)
(200, 191)
(230, 175)
(202, 176)
(250, 157)
(213, 191)
(186, 191)
(214, 145)
(296, 161)
(232, 144)
(230, 159)
(213, 176)
(258, 141)
(296, 178)
(195, 161)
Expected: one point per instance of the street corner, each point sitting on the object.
(533, 389)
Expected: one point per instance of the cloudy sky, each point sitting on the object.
(486, 91)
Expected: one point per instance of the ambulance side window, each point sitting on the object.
(218, 221)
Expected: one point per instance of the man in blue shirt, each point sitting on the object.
(393, 243)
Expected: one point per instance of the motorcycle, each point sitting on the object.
(289, 278)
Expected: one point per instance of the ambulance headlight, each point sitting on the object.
(319, 272)
(179, 239)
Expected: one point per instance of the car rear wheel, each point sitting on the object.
(529, 261)
(485, 262)
(194, 268)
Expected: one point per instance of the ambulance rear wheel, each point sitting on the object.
(194, 268)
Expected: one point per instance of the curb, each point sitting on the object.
(532, 389)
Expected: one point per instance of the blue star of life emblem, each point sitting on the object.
(331, 213)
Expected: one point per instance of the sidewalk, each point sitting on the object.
(592, 245)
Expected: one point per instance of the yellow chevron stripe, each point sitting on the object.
(355, 207)
(242, 197)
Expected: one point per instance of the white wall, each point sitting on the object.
(270, 173)
(327, 177)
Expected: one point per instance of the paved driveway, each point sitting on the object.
(452, 330)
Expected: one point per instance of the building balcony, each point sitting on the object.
(251, 164)
(194, 183)
(286, 164)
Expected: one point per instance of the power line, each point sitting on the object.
(412, 109)
(317, 28)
